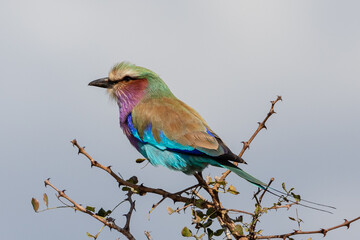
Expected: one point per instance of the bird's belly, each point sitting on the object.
(186, 163)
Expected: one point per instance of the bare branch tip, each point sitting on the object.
(74, 142)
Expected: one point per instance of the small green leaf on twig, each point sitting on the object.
(133, 180)
(239, 229)
(185, 232)
(291, 218)
(103, 213)
(218, 232)
(46, 200)
(91, 209)
(35, 204)
(296, 197)
(208, 223)
(140, 160)
(209, 180)
(89, 235)
(232, 190)
(210, 233)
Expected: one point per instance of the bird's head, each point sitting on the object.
(127, 81)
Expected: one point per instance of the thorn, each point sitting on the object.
(347, 224)
(323, 231)
(79, 151)
(264, 127)
(46, 182)
(259, 123)
(109, 167)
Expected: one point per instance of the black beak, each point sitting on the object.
(102, 82)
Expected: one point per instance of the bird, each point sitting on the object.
(165, 130)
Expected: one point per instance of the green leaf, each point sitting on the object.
(218, 232)
(239, 229)
(125, 189)
(296, 197)
(46, 200)
(102, 213)
(210, 211)
(133, 180)
(140, 160)
(89, 235)
(291, 218)
(208, 223)
(91, 209)
(232, 190)
(283, 186)
(170, 210)
(199, 213)
(209, 180)
(210, 233)
(185, 232)
(223, 183)
(199, 203)
(35, 204)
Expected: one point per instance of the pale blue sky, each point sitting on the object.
(225, 59)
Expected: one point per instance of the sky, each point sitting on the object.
(226, 59)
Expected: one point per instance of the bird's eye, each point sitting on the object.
(127, 78)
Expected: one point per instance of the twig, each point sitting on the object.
(246, 145)
(132, 208)
(155, 205)
(321, 231)
(239, 211)
(179, 209)
(110, 224)
(147, 234)
(258, 210)
(287, 206)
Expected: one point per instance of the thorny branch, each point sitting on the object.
(222, 216)
(323, 231)
(176, 197)
(246, 145)
(106, 221)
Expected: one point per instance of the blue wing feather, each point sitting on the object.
(165, 143)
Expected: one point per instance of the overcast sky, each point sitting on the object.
(227, 59)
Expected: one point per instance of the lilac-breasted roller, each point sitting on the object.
(164, 129)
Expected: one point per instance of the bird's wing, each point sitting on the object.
(168, 123)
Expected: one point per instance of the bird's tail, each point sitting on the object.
(241, 173)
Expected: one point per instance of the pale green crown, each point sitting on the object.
(156, 86)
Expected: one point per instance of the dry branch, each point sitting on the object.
(108, 222)
(246, 145)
